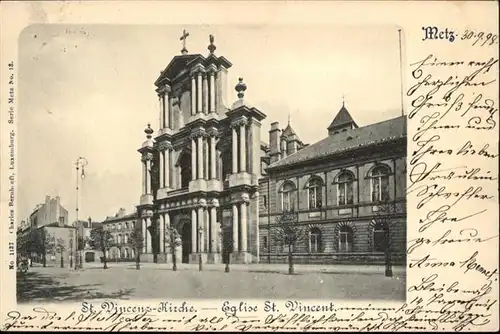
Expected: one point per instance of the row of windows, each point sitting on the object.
(120, 226)
(379, 185)
(345, 239)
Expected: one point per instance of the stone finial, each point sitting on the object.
(148, 131)
(240, 87)
(212, 46)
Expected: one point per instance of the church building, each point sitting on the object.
(207, 173)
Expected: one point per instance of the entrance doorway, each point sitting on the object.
(186, 241)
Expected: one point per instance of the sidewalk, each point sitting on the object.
(262, 267)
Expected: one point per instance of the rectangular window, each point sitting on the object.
(264, 241)
(265, 201)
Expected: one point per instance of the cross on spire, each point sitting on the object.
(184, 36)
(343, 100)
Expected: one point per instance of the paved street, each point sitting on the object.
(123, 281)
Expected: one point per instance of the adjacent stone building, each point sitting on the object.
(207, 174)
(348, 192)
(121, 226)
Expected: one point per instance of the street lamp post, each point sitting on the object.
(200, 262)
(71, 253)
(81, 162)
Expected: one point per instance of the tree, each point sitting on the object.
(136, 241)
(173, 240)
(60, 248)
(288, 232)
(385, 211)
(101, 240)
(43, 242)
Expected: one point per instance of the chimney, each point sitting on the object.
(274, 142)
(46, 211)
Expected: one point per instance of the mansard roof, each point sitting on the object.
(352, 139)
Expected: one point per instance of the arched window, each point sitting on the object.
(126, 253)
(314, 240)
(315, 193)
(380, 184)
(126, 225)
(380, 237)
(125, 238)
(119, 241)
(345, 239)
(288, 191)
(344, 188)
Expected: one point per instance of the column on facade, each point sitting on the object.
(148, 176)
(193, 95)
(161, 105)
(199, 89)
(213, 157)
(194, 228)
(144, 230)
(213, 229)
(235, 228)
(166, 110)
(235, 149)
(205, 94)
(193, 158)
(212, 92)
(162, 234)
(144, 190)
(201, 227)
(162, 167)
(149, 246)
(257, 231)
(166, 232)
(206, 154)
(200, 157)
(244, 227)
(243, 150)
(166, 156)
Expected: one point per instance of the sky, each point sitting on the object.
(89, 91)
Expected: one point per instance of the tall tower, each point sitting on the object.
(203, 160)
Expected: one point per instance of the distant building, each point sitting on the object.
(121, 226)
(84, 227)
(50, 218)
(50, 212)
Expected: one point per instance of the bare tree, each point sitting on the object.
(136, 241)
(173, 240)
(289, 232)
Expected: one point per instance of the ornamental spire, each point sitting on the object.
(212, 46)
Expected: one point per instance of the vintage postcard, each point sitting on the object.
(249, 166)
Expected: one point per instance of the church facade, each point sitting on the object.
(208, 175)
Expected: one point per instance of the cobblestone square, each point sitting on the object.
(152, 281)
